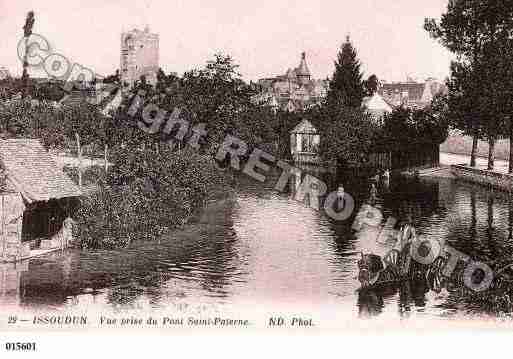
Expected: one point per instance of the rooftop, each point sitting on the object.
(33, 171)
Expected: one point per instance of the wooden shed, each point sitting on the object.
(37, 201)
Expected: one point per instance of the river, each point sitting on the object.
(261, 252)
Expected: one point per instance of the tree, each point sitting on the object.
(164, 82)
(214, 95)
(49, 91)
(371, 85)
(490, 100)
(346, 133)
(411, 135)
(346, 84)
(462, 112)
(474, 30)
(81, 122)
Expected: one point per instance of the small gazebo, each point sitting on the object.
(304, 143)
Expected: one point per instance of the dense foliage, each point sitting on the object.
(347, 133)
(145, 194)
(481, 81)
(150, 186)
(408, 129)
(346, 85)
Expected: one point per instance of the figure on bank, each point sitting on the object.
(340, 195)
(386, 178)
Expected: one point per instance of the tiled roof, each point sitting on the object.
(33, 171)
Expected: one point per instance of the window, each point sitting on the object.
(308, 143)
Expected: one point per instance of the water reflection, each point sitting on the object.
(266, 246)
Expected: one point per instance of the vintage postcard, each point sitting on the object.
(271, 166)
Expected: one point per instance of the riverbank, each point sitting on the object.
(458, 166)
(263, 249)
(442, 171)
(462, 145)
(495, 179)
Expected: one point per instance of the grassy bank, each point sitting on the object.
(462, 145)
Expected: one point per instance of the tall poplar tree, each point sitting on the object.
(474, 30)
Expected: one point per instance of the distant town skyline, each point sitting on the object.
(263, 38)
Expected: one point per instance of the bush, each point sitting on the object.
(146, 194)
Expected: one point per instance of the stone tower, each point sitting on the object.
(139, 57)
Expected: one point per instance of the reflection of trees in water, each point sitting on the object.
(483, 233)
(206, 259)
(202, 254)
(413, 199)
(412, 295)
(484, 236)
(370, 303)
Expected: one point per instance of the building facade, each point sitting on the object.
(294, 91)
(139, 57)
(411, 94)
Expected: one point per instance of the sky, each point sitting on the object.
(265, 37)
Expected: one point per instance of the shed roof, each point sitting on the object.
(34, 172)
(304, 126)
(376, 103)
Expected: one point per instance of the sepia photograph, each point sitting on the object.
(234, 167)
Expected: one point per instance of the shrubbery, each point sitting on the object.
(146, 193)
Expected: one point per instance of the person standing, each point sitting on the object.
(373, 193)
(340, 195)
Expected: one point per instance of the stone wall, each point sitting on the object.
(497, 180)
(11, 222)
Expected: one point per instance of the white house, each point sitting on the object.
(376, 107)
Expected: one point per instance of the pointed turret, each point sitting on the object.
(302, 71)
(303, 67)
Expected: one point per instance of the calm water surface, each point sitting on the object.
(262, 248)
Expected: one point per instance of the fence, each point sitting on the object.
(426, 156)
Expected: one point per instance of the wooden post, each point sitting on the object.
(105, 158)
(79, 151)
